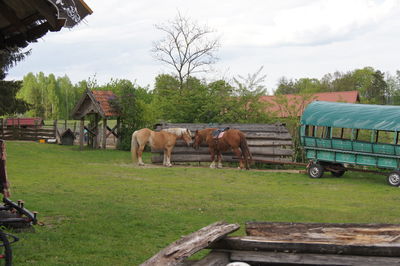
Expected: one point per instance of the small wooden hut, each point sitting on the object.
(67, 137)
(98, 105)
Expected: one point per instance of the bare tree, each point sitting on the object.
(187, 47)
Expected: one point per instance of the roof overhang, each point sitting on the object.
(25, 21)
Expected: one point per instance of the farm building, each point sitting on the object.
(293, 104)
(98, 105)
(28, 122)
(25, 21)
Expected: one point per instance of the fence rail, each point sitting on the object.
(33, 133)
(266, 142)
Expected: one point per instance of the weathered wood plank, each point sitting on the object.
(268, 135)
(311, 259)
(338, 233)
(242, 127)
(207, 158)
(253, 150)
(214, 258)
(190, 244)
(253, 243)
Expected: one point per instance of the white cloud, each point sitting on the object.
(315, 23)
(284, 36)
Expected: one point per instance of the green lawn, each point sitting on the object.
(97, 209)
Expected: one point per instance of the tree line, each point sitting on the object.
(374, 86)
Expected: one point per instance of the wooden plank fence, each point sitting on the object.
(16, 132)
(266, 142)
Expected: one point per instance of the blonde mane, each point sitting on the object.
(178, 131)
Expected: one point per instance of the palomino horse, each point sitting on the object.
(231, 139)
(164, 140)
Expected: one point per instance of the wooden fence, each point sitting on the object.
(270, 142)
(17, 132)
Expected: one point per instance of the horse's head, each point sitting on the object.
(198, 139)
(187, 137)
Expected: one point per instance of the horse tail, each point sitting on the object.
(134, 147)
(245, 151)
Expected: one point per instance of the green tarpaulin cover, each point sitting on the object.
(347, 115)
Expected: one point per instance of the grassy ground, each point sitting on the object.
(97, 209)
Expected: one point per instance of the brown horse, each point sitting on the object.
(157, 140)
(231, 139)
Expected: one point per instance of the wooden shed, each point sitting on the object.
(96, 104)
(67, 137)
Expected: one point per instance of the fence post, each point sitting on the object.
(55, 129)
(2, 127)
(81, 132)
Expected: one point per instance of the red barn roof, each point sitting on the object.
(294, 104)
(24, 122)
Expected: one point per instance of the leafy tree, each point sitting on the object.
(9, 104)
(135, 113)
(286, 86)
(186, 47)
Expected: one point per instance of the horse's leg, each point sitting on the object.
(219, 160)
(238, 154)
(140, 151)
(165, 157)
(168, 151)
(212, 165)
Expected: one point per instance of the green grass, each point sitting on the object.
(97, 209)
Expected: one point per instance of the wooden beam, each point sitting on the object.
(47, 12)
(104, 140)
(214, 258)
(253, 243)
(311, 259)
(81, 133)
(183, 248)
(11, 16)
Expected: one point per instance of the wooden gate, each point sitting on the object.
(266, 142)
(18, 132)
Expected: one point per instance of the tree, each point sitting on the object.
(186, 47)
(9, 104)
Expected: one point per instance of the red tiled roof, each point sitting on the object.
(296, 103)
(31, 121)
(103, 98)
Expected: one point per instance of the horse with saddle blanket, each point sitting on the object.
(221, 140)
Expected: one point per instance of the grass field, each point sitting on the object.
(97, 209)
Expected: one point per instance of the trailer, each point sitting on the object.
(337, 134)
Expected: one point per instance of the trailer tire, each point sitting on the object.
(315, 170)
(338, 174)
(393, 179)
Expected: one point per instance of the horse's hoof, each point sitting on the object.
(141, 164)
(219, 166)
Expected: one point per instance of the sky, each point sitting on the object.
(291, 38)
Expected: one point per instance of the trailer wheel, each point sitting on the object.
(393, 178)
(340, 170)
(338, 174)
(315, 170)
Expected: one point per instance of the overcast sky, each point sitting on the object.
(292, 38)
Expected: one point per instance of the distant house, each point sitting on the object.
(293, 104)
(24, 122)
